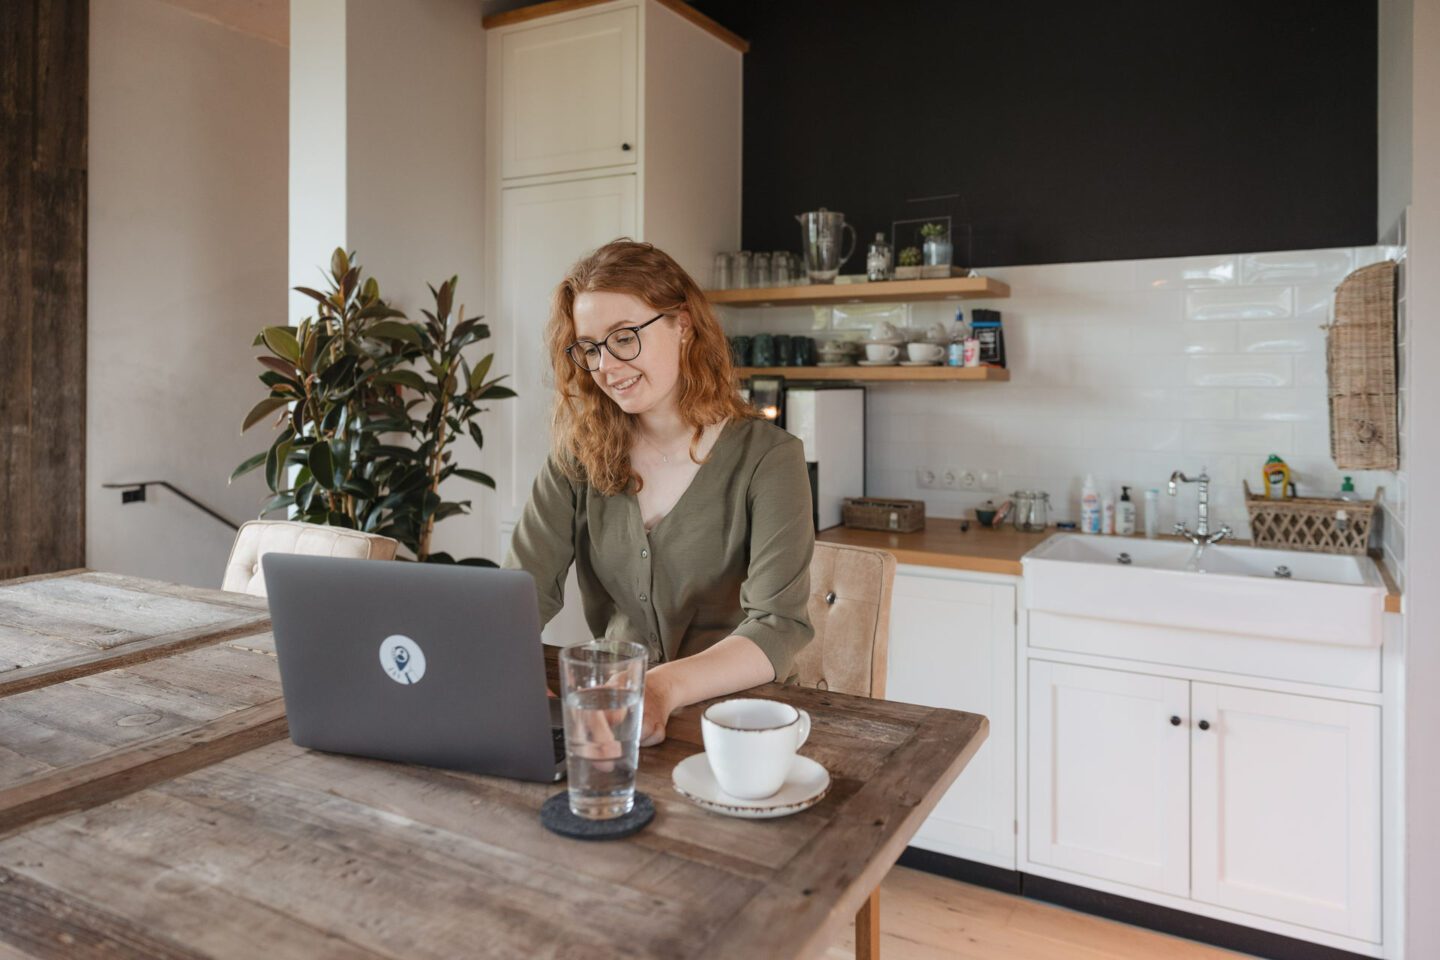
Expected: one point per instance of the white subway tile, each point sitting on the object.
(1133, 435)
(1314, 304)
(1312, 439)
(1207, 403)
(1240, 370)
(1297, 266)
(1309, 369)
(1280, 336)
(1290, 405)
(1236, 436)
(1239, 303)
(1186, 272)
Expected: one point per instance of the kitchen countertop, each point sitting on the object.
(982, 550)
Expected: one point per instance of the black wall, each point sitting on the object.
(1064, 131)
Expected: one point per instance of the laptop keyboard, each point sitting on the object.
(557, 737)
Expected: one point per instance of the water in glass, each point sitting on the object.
(603, 694)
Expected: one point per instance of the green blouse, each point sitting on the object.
(731, 557)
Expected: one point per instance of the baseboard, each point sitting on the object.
(1217, 933)
(966, 871)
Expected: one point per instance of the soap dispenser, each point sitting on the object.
(1125, 514)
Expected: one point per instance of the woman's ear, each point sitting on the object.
(682, 322)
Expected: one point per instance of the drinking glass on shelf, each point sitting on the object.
(720, 273)
(782, 269)
(740, 269)
(602, 685)
(760, 275)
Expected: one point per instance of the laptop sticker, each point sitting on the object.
(402, 659)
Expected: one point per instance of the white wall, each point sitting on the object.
(1422, 619)
(387, 159)
(187, 238)
(1128, 369)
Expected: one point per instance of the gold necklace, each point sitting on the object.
(664, 457)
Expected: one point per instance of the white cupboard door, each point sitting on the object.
(952, 644)
(569, 96)
(1109, 775)
(546, 228)
(1286, 807)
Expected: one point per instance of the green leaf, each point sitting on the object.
(339, 265)
(322, 465)
(445, 298)
(274, 462)
(250, 464)
(371, 290)
(261, 410)
(278, 365)
(476, 435)
(312, 294)
(278, 502)
(282, 343)
(408, 378)
(360, 488)
(477, 375)
(393, 330)
(497, 393)
(305, 496)
(484, 479)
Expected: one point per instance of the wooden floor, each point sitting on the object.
(925, 917)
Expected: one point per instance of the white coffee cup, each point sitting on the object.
(924, 352)
(884, 330)
(751, 744)
(881, 352)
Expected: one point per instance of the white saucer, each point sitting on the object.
(891, 341)
(806, 785)
(877, 363)
(918, 363)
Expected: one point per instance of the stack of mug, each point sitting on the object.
(772, 350)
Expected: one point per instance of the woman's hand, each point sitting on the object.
(659, 704)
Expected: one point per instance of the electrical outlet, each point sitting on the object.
(968, 480)
(925, 478)
(990, 480)
(950, 479)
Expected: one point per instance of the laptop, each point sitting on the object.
(416, 662)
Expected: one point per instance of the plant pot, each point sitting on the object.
(937, 251)
(907, 273)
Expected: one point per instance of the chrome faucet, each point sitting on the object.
(1202, 537)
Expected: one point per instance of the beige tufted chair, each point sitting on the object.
(850, 609)
(259, 537)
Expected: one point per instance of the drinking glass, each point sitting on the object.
(784, 272)
(760, 275)
(602, 685)
(720, 275)
(740, 270)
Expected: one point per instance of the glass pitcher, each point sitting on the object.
(822, 233)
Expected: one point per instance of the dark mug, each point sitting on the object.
(762, 350)
(803, 351)
(784, 350)
(740, 351)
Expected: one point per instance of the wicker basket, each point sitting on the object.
(1360, 361)
(873, 513)
(1309, 523)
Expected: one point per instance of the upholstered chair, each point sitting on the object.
(259, 537)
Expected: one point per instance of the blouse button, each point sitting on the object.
(644, 554)
(644, 599)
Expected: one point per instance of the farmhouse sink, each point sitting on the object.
(1284, 594)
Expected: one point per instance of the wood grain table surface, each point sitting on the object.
(155, 807)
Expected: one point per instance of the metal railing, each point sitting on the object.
(135, 493)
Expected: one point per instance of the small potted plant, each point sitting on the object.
(908, 265)
(938, 250)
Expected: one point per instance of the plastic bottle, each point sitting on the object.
(1089, 506)
(1347, 490)
(1152, 514)
(1107, 514)
(1125, 514)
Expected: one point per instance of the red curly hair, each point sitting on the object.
(591, 436)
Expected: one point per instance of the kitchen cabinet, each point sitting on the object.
(952, 644)
(1261, 802)
(1109, 774)
(1285, 807)
(569, 94)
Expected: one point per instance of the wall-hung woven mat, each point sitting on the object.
(1360, 357)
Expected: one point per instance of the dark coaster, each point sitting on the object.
(556, 817)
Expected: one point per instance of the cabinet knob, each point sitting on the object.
(1204, 724)
(830, 598)
(1174, 721)
(624, 146)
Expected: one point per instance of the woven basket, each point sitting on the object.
(1309, 523)
(1360, 361)
(873, 513)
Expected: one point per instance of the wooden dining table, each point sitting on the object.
(152, 805)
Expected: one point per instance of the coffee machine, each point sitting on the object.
(830, 422)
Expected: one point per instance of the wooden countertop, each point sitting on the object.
(982, 550)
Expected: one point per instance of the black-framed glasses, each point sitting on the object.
(622, 342)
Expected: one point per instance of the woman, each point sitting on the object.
(688, 519)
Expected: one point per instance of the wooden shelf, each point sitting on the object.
(890, 291)
(893, 374)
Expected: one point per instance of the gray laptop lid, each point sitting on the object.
(421, 663)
